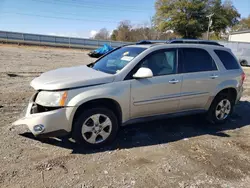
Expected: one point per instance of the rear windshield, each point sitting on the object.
(227, 59)
(117, 60)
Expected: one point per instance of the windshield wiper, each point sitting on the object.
(91, 64)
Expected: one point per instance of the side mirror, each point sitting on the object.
(143, 72)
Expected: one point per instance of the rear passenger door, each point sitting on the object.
(200, 78)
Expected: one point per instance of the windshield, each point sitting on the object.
(117, 60)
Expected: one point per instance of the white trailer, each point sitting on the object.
(240, 36)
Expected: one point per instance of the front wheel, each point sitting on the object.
(221, 109)
(95, 127)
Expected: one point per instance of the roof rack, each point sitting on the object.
(193, 41)
(180, 41)
(150, 41)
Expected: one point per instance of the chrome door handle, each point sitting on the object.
(214, 76)
(173, 81)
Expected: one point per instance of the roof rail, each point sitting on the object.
(150, 41)
(180, 41)
(193, 41)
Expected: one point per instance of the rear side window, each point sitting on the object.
(227, 59)
(196, 60)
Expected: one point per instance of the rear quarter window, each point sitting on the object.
(227, 59)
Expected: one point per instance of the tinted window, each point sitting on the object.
(196, 60)
(161, 62)
(117, 60)
(227, 59)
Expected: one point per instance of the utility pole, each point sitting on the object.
(210, 22)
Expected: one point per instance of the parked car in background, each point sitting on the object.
(134, 82)
(243, 56)
(245, 60)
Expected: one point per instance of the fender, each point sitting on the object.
(223, 85)
(120, 94)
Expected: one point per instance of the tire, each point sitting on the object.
(243, 63)
(213, 112)
(95, 128)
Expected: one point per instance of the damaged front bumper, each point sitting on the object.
(46, 122)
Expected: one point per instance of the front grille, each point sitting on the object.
(36, 108)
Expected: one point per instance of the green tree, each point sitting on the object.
(225, 15)
(188, 17)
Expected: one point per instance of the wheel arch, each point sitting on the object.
(229, 91)
(101, 102)
(232, 91)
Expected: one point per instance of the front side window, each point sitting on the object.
(162, 62)
(117, 60)
(196, 60)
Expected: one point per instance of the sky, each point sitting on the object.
(79, 18)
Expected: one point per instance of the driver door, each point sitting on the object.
(159, 94)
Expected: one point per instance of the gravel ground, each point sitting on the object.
(180, 152)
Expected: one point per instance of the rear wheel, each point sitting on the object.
(221, 109)
(95, 127)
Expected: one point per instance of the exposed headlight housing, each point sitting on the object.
(52, 99)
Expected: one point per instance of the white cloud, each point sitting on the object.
(110, 33)
(93, 33)
(70, 34)
(55, 34)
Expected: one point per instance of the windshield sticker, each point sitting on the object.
(127, 58)
(125, 53)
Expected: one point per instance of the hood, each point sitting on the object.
(65, 78)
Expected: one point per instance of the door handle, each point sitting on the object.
(213, 76)
(173, 81)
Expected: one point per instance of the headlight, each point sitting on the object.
(51, 99)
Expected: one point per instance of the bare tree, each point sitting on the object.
(103, 34)
(123, 29)
(126, 32)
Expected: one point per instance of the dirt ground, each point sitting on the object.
(181, 152)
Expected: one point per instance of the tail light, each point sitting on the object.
(243, 77)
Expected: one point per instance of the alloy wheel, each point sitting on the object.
(223, 109)
(96, 129)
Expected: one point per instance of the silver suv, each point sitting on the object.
(90, 103)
